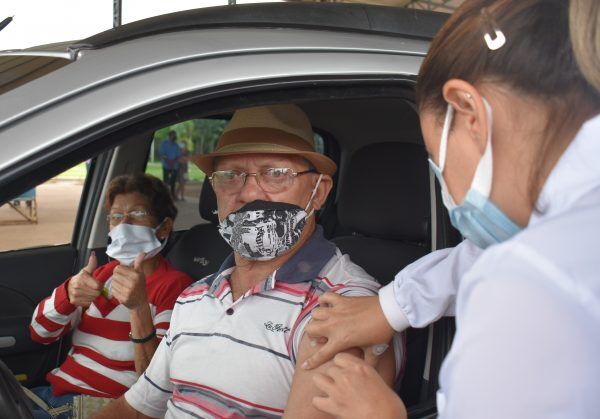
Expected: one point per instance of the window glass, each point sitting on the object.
(319, 143)
(179, 142)
(44, 215)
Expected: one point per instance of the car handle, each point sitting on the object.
(7, 341)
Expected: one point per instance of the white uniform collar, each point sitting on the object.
(576, 174)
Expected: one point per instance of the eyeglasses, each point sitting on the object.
(271, 180)
(118, 217)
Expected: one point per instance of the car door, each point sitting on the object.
(41, 236)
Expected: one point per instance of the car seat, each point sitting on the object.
(385, 204)
(201, 250)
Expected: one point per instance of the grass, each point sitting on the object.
(195, 174)
(153, 168)
(74, 173)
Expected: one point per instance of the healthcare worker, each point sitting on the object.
(509, 98)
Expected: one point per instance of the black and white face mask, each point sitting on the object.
(264, 230)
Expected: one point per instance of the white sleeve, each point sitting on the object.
(150, 394)
(522, 351)
(426, 290)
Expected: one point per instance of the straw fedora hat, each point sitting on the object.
(273, 129)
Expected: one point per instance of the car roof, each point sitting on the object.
(325, 16)
(195, 51)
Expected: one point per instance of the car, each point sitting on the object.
(108, 99)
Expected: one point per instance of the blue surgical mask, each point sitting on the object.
(477, 218)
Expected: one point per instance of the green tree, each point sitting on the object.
(200, 135)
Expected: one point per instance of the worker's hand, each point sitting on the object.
(353, 389)
(347, 322)
(129, 284)
(83, 288)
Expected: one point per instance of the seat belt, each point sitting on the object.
(54, 412)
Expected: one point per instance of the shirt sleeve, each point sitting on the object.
(352, 289)
(152, 391)
(164, 301)
(524, 350)
(426, 290)
(53, 317)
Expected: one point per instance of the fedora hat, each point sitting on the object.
(273, 129)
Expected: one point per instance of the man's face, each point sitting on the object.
(298, 193)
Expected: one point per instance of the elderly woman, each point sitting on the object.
(118, 312)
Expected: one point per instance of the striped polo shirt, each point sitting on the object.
(225, 358)
(101, 359)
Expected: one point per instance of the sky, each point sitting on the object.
(38, 22)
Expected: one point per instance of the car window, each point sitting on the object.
(194, 136)
(44, 215)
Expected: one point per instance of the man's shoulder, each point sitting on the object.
(341, 275)
(196, 289)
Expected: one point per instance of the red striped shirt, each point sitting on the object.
(101, 360)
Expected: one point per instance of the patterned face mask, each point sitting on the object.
(264, 230)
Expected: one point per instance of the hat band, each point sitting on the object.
(263, 135)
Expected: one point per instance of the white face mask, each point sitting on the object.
(129, 240)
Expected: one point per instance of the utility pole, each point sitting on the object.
(117, 9)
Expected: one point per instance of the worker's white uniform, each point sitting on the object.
(527, 310)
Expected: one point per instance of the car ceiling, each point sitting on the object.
(357, 122)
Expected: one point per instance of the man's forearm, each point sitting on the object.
(119, 409)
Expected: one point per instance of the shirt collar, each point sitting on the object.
(576, 173)
(304, 266)
(308, 261)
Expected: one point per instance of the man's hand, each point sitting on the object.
(346, 322)
(82, 288)
(353, 389)
(129, 284)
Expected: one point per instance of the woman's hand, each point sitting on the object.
(129, 284)
(344, 323)
(83, 288)
(353, 389)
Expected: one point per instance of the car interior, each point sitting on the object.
(385, 211)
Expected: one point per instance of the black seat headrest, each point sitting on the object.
(208, 203)
(384, 192)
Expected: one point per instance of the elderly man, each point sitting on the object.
(236, 343)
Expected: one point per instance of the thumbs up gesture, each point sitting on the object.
(129, 284)
(82, 288)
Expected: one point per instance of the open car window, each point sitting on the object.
(44, 215)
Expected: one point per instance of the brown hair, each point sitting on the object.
(157, 193)
(537, 61)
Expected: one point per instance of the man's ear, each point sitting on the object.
(165, 229)
(470, 114)
(322, 192)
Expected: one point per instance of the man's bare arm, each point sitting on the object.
(120, 409)
(303, 390)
